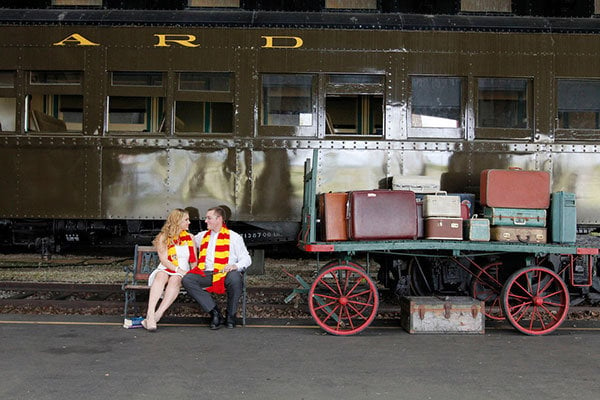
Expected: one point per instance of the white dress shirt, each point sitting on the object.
(238, 253)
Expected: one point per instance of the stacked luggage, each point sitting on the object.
(516, 205)
(515, 202)
(442, 216)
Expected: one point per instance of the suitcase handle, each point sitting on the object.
(519, 221)
(515, 168)
(442, 192)
(523, 241)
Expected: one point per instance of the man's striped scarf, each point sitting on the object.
(184, 239)
(221, 260)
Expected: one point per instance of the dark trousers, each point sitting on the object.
(195, 285)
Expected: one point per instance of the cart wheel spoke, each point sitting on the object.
(343, 300)
(535, 300)
(486, 287)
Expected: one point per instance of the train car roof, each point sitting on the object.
(299, 20)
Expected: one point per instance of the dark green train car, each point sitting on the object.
(109, 119)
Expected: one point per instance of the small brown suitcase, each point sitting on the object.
(382, 214)
(515, 234)
(515, 188)
(332, 215)
(444, 228)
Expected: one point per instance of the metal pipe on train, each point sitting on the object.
(109, 119)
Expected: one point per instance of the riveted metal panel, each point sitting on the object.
(56, 180)
(579, 172)
(278, 177)
(9, 162)
(147, 182)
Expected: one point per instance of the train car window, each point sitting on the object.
(56, 77)
(354, 104)
(55, 113)
(8, 102)
(205, 81)
(503, 103)
(213, 3)
(54, 102)
(70, 3)
(135, 114)
(7, 79)
(127, 78)
(287, 100)
(578, 104)
(8, 113)
(204, 103)
(437, 106)
(203, 117)
(351, 4)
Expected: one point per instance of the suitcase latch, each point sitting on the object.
(447, 308)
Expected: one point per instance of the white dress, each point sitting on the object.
(183, 258)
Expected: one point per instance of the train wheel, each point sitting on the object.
(343, 299)
(535, 300)
(487, 287)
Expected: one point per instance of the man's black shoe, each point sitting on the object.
(216, 319)
(230, 323)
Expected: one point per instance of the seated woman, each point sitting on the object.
(177, 254)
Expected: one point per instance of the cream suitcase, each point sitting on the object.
(441, 205)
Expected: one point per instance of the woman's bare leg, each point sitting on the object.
(156, 290)
(171, 293)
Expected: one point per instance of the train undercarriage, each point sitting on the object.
(418, 275)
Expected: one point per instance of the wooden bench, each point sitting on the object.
(136, 278)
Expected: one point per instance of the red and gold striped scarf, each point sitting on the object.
(184, 239)
(221, 260)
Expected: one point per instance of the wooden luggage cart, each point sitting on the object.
(344, 299)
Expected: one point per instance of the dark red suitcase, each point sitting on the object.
(444, 228)
(382, 214)
(515, 188)
(332, 216)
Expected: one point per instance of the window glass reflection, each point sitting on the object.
(578, 104)
(502, 103)
(436, 102)
(287, 100)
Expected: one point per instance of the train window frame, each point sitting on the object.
(361, 92)
(458, 132)
(44, 112)
(365, 5)
(503, 133)
(212, 102)
(213, 3)
(307, 122)
(153, 96)
(578, 133)
(150, 75)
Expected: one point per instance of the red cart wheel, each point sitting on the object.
(487, 287)
(343, 299)
(535, 300)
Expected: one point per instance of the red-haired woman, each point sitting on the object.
(177, 254)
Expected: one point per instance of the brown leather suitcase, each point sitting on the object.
(332, 216)
(518, 234)
(382, 214)
(515, 188)
(444, 228)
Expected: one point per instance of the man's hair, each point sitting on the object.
(219, 211)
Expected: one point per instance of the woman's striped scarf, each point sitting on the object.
(184, 239)
(221, 260)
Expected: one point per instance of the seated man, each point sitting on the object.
(222, 256)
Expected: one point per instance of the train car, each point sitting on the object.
(110, 118)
